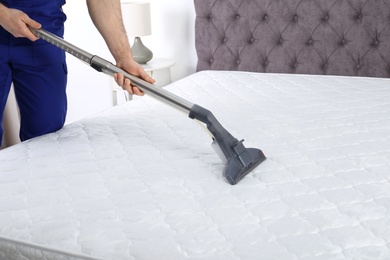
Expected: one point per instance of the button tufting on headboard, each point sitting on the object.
(335, 37)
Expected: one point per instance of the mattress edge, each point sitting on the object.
(13, 249)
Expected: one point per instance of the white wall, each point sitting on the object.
(173, 27)
(89, 92)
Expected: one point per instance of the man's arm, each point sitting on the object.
(107, 17)
(16, 22)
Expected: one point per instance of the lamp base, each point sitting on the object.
(141, 53)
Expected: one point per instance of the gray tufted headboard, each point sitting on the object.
(333, 37)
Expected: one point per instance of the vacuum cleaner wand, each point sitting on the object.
(239, 160)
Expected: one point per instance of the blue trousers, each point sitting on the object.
(37, 70)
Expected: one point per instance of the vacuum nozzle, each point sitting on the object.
(238, 159)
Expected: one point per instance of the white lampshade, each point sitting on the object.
(136, 18)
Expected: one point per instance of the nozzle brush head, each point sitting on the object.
(235, 169)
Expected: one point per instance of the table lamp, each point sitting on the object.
(136, 18)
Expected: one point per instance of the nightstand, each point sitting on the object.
(158, 68)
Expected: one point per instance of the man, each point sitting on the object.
(38, 69)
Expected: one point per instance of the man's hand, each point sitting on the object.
(135, 69)
(16, 22)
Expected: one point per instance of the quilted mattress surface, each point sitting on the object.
(141, 181)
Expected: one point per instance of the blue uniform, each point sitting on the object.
(37, 69)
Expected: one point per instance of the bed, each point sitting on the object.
(141, 181)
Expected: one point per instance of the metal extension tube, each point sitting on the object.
(107, 67)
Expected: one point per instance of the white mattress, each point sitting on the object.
(141, 180)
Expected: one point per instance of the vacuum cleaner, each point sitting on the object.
(239, 161)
